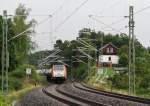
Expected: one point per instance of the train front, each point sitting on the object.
(59, 72)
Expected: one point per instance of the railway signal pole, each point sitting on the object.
(5, 54)
(131, 67)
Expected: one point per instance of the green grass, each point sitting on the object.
(18, 95)
(100, 82)
(2, 101)
(110, 72)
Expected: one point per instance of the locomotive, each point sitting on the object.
(59, 72)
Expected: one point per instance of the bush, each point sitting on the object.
(80, 72)
(0, 80)
(120, 81)
(20, 72)
(15, 84)
(2, 100)
(123, 60)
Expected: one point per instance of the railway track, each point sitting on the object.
(79, 98)
(85, 87)
(54, 93)
(77, 94)
(63, 100)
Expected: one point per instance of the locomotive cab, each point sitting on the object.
(59, 72)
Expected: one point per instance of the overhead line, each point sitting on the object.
(105, 24)
(55, 12)
(68, 17)
(143, 9)
(60, 7)
(116, 3)
(20, 34)
(109, 26)
(108, 16)
(49, 16)
(116, 22)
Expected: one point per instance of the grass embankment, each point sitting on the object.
(101, 81)
(20, 84)
(18, 95)
(15, 96)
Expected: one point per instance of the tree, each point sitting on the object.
(23, 44)
(20, 47)
(148, 49)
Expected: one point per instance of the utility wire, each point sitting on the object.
(108, 16)
(143, 9)
(60, 8)
(105, 24)
(122, 19)
(20, 34)
(68, 17)
(137, 12)
(54, 13)
(49, 16)
(31, 15)
(118, 21)
(113, 5)
(114, 23)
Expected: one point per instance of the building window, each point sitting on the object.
(111, 50)
(107, 50)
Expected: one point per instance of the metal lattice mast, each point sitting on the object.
(131, 51)
(5, 54)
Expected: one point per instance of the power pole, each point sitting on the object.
(5, 54)
(131, 67)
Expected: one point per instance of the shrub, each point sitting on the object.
(18, 73)
(120, 81)
(15, 84)
(2, 100)
(80, 72)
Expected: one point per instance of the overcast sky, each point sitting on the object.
(106, 11)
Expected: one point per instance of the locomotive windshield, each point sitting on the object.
(58, 67)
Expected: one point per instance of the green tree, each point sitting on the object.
(23, 44)
(20, 47)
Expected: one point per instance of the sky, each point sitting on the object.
(68, 17)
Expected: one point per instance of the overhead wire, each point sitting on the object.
(141, 10)
(105, 24)
(59, 8)
(113, 23)
(122, 19)
(137, 12)
(52, 15)
(111, 6)
(20, 34)
(49, 16)
(69, 16)
(103, 16)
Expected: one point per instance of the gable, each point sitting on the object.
(109, 49)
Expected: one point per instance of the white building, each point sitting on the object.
(108, 55)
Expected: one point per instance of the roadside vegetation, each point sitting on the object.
(22, 58)
(113, 79)
(19, 49)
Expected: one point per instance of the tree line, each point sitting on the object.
(121, 41)
(20, 47)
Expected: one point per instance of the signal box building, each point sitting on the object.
(108, 55)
